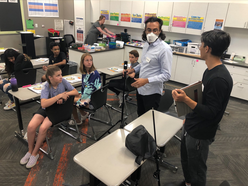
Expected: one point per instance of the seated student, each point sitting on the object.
(57, 58)
(54, 90)
(91, 81)
(116, 85)
(14, 62)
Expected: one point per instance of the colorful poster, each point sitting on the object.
(80, 35)
(148, 15)
(43, 8)
(136, 18)
(179, 21)
(114, 16)
(105, 13)
(125, 17)
(218, 24)
(166, 20)
(195, 22)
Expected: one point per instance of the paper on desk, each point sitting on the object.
(72, 79)
(37, 88)
(42, 59)
(116, 69)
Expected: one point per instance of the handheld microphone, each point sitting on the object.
(125, 65)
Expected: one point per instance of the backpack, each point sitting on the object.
(140, 143)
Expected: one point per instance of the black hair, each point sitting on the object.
(217, 40)
(53, 44)
(9, 66)
(151, 20)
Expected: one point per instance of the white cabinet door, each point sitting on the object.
(164, 12)
(215, 11)
(114, 7)
(196, 10)
(180, 9)
(138, 9)
(173, 67)
(237, 15)
(126, 9)
(240, 91)
(95, 10)
(183, 69)
(104, 5)
(199, 66)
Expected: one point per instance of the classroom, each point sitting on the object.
(91, 150)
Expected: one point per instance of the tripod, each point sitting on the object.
(122, 120)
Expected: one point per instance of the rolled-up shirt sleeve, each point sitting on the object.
(136, 68)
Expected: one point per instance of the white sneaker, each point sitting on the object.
(72, 122)
(10, 106)
(84, 117)
(8, 102)
(25, 159)
(32, 161)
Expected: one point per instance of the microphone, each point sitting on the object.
(125, 65)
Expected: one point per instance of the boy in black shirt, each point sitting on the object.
(201, 124)
(57, 58)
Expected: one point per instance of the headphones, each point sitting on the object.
(71, 23)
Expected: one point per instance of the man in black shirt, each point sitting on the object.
(201, 124)
(57, 58)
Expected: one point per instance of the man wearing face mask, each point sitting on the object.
(155, 66)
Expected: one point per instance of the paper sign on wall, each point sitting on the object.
(58, 24)
(218, 24)
(80, 35)
(166, 20)
(125, 17)
(136, 18)
(105, 13)
(148, 15)
(43, 8)
(114, 16)
(30, 24)
(195, 22)
(179, 21)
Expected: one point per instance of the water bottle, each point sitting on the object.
(13, 83)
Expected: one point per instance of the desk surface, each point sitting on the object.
(109, 72)
(24, 94)
(108, 159)
(166, 126)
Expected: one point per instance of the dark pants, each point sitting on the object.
(145, 103)
(115, 85)
(194, 155)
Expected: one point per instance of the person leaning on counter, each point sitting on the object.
(97, 28)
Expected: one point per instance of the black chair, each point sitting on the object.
(26, 77)
(98, 100)
(61, 114)
(65, 69)
(69, 39)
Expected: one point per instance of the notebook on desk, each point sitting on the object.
(194, 92)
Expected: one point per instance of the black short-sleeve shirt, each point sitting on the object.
(57, 59)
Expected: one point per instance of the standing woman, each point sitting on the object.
(14, 62)
(97, 28)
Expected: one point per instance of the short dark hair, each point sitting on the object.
(53, 44)
(134, 52)
(217, 40)
(151, 20)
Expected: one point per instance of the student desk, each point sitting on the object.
(108, 159)
(24, 94)
(107, 71)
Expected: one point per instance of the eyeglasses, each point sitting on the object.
(155, 30)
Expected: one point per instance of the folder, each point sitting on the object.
(194, 92)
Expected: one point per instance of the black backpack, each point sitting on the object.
(140, 143)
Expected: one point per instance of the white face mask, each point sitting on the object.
(151, 37)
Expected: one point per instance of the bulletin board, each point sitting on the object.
(11, 17)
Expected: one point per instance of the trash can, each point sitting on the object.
(72, 67)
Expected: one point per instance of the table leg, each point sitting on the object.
(104, 79)
(93, 180)
(19, 116)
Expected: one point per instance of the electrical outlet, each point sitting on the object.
(36, 25)
(43, 26)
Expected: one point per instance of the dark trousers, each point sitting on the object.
(194, 155)
(145, 103)
(115, 85)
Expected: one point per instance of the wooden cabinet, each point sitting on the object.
(237, 16)
(165, 10)
(215, 11)
(240, 81)
(196, 10)
(183, 69)
(95, 10)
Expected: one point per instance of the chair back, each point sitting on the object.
(225, 183)
(26, 76)
(65, 69)
(99, 97)
(69, 39)
(166, 101)
(60, 112)
(129, 81)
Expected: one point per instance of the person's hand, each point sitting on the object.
(44, 68)
(60, 101)
(128, 71)
(109, 35)
(179, 95)
(139, 82)
(132, 75)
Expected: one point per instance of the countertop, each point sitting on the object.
(106, 50)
